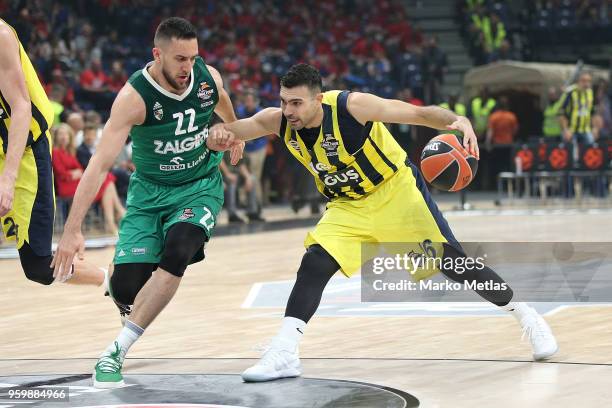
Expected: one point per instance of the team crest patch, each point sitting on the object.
(158, 111)
(330, 144)
(187, 213)
(205, 91)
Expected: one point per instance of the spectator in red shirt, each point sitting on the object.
(95, 86)
(118, 77)
(66, 167)
(60, 87)
(68, 172)
(407, 96)
(94, 79)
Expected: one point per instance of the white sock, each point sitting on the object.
(106, 278)
(517, 309)
(128, 336)
(292, 330)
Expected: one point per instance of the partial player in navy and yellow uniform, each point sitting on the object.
(27, 202)
(376, 196)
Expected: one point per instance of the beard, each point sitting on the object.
(303, 121)
(172, 81)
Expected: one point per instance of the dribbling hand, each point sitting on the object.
(470, 142)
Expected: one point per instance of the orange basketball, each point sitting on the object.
(446, 164)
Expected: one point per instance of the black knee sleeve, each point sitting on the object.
(37, 268)
(316, 269)
(480, 275)
(127, 280)
(183, 241)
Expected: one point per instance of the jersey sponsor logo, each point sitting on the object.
(177, 166)
(171, 167)
(139, 251)
(319, 167)
(187, 213)
(2, 113)
(181, 146)
(330, 144)
(433, 146)
(158, 111)
(206, 104)
(342, 178)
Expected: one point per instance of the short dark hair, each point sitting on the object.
(89, 126)
(302, 74)
(175, 27)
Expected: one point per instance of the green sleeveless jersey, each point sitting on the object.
(169, 147)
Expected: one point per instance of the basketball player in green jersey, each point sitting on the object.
(175, 193)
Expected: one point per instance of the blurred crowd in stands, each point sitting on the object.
(513, 30)
(361, 45)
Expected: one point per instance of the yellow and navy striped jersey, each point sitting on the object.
(348, 160)
(42, 110)
(578, 108)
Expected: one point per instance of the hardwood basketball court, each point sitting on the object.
(444, 361)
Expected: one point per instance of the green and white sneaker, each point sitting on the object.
(107, 373)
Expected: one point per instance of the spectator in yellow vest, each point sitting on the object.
(494, 33)
(552, 126)
(454, 105)
(480, 109)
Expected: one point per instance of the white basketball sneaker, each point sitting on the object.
(280, 360)
(539, 334)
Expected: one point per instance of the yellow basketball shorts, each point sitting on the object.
(401, 210)
(31, 217)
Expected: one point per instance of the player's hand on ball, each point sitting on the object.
(470, 142)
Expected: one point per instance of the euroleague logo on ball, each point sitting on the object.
(446, 164)
(432, 146)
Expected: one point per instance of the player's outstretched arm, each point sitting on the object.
(225, 110)
(263, 123)
(367, 107)
(224, 136)
(15, 91)
(128, 110)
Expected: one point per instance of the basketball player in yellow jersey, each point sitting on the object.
(27, 201)
(376, 196)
